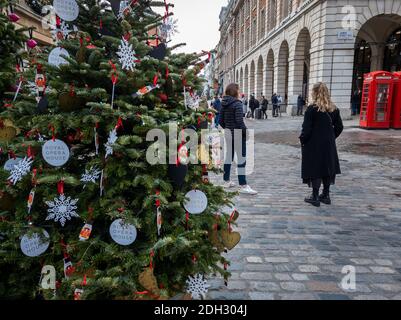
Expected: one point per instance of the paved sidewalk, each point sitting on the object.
(290, 250)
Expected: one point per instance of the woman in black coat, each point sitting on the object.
(322, 126)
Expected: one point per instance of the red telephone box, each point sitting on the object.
(396, 112)
(376, 102)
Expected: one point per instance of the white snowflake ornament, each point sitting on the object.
(192, 101)
(169, 28)
(91, 175)
(127, 55)
(21, 169)
(62, 31)
(197, 286)
(110, 142)
(62, 209)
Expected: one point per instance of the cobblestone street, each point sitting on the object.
(291, 250)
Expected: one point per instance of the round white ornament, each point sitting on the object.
(10, 163)
(55, 57)
(196, 203)
(34, 245)
(67, 10)
(55, 153)
(122, 233)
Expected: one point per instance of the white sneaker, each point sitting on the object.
(228, 184)
(247, 190)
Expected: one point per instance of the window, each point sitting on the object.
(254, 31)
(262, 24)
(285, 9)
(272, 14)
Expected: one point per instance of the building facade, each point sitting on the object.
(30, 18)
(285, 46)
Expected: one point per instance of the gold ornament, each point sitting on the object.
(215, 240)
(68, 102)
(148, 280)
(230, 239)
(8, 131)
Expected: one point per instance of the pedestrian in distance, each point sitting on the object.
(252, 106)
(275, 103)
(300, 106)
(231, 120)
(264, 104)
(322, 126)
(216, 105)
(356, 102)
(244, 105)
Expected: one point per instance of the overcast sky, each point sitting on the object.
(198, 24)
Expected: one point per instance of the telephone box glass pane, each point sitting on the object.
(382, 95)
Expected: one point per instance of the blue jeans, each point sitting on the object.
(217, 119)
(240, 149)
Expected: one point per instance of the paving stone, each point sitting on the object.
(392, 287)
(276, 259)
(282, 276)
(266, 286)
(362, 261)
(308, 268)
(253, 276)
(300, 277)
(382, 270)
(254, 259)
(261, 296)
(292, 286)
(384, 262)
(322, 286)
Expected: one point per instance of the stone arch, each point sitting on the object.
(269, 74)
(301, 72)
(252, 78)
(282, 70)
(376, 43)
(259, 78)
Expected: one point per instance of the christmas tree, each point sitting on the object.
(110, 224)
(11, 44)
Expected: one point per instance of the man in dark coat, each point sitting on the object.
(300, 106)
(264, 104)
(275, 103)
(252, 105)
(320, 162)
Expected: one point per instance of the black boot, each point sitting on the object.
(313, 199)
(325, 196)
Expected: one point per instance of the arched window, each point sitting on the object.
(392, 53)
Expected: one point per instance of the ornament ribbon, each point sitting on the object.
(60, 187)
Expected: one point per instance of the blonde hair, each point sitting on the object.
(320, 97)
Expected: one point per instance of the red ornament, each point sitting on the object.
(13, 17)
(31, 43)
(163, 97)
